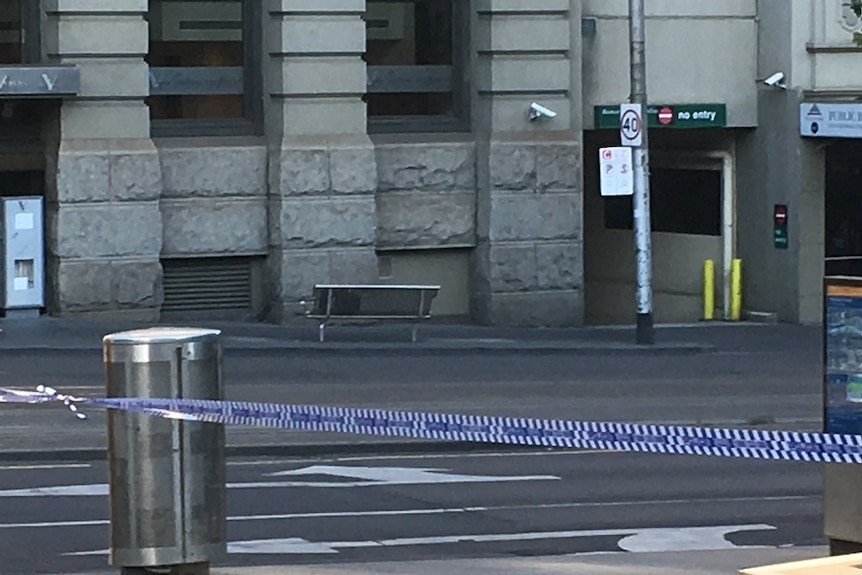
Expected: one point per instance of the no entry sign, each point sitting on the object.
(665, 116)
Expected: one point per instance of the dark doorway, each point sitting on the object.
(844, 209)
(682, 201)
(25, 183)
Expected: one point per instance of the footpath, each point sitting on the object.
(55, 334)
(679, 563)
(73, 337)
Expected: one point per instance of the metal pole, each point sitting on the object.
(643, 243)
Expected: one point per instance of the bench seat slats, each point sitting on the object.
(371, 302)
(367, 317)
(377, 286)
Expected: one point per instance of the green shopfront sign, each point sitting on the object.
(679, 117)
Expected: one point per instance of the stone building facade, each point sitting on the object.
(175, 182)
(222, 157)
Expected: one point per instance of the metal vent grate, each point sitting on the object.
(207, 284)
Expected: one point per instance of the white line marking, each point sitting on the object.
(277, 517)
(369, 477)
(32, 467)
(428, 457)
(336, 514)
(636, 540)
(440, 511)
(88, 490)
(54, 524)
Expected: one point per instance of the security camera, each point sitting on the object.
(538, 111)
(776, 80)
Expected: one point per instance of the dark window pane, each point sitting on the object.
(409, 55)
(844, 201)
(409, 104)
(196, 59)
(681, 202)
(10, 32)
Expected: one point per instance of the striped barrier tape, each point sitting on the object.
(743, 443)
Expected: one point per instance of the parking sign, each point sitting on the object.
(617, 176)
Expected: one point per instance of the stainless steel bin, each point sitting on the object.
(167, 477)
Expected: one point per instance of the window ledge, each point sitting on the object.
(831, 47)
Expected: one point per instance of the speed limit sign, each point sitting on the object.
(631, 125)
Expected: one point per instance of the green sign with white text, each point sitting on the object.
(678, 117)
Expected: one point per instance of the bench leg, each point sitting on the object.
(413, 332)
(321, 332)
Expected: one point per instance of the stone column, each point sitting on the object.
(528, 265)
(322, 164)
(104, 231)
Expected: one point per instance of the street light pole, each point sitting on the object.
(645, 333)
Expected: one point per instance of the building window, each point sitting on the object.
(681, 202)
(413, 56)
(19, 32)
(10, 33)
(203, 70)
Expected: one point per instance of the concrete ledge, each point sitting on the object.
(839, 565)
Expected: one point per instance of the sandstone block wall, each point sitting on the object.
(426, 195)
(213, 199)
(315, 195)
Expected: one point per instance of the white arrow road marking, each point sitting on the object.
(368, 476)
(278, 546)
(686, 539)
(402, 476)
(636, 540)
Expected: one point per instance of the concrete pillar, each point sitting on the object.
(322, 165)
(528, 265)
(103, 222)
(787, 282)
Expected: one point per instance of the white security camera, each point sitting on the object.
(776, 80)
(538, 111)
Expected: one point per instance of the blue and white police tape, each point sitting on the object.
(744, 443)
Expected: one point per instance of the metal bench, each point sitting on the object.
(371, 302)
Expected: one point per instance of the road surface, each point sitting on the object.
(54, 516)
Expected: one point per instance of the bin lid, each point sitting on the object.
(161, 335)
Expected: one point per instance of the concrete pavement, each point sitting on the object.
(678, 563)
(80, 334)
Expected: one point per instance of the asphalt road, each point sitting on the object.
(749, 380)
(288, 511)
(780, 372)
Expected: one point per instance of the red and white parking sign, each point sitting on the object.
(616, 173)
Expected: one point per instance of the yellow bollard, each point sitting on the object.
(708, 290)
(736, 291)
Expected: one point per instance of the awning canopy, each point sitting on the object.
(39, 81)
